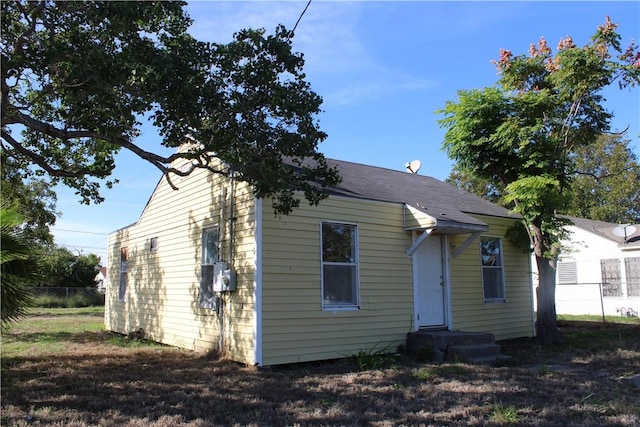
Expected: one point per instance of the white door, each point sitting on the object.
(429, 283)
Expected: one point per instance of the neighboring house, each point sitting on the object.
(599, 269)
(211, 267)
(100, 279)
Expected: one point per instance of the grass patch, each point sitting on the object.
(502, 414)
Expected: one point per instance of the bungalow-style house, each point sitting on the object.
(210, 267)
(599, 269)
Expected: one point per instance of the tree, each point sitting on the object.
(603, 185)
(606, 186)
(62, 268)
(78, 79)
(33, 198)
(19, 268)
(522, 134)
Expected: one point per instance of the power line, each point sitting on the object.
(299, 18)
(79, 231)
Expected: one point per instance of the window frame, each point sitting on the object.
(500, 268)
(341, 306)
(611, 286)
(206, 297)
(124, 269)
(632, 276)
(154, 244)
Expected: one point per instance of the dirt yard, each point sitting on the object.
(89, 378)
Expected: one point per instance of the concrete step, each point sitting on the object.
(444, 339)
(467, 352)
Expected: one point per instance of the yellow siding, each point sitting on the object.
(295, 328)
(511, 319)
(163, 286)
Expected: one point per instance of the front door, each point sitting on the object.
(429, 283)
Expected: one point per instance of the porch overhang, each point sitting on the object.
(441, 221)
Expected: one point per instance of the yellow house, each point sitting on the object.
(210, 267)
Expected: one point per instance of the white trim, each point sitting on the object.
(416, 243)
(486, 300)
(341, 307)
(446, 277)
(257, 284)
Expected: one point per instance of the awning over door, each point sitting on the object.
(443, 221)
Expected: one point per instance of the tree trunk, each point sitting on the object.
(548, 332)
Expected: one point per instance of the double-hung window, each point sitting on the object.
(340, 282)
(209, 258)
(124, 267)
(492, 269)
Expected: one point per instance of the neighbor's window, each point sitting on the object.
(492, 269)
(611, 277)
(209, 258)
(153, 244)
(339, 265)
(124, 266)
(632, 267)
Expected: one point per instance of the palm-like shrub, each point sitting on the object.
(19, 267)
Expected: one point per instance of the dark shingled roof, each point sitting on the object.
(605, 229)
(433, 197)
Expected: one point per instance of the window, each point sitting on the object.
(209, 258)
(632, 268)
(567, 273)
(153, 244)
(611, 277)
(492, 271)
(339, 265)
(124, 266)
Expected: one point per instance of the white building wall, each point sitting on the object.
(587, 249)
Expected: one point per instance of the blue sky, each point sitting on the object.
(383, 70)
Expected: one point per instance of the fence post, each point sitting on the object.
(604, 322)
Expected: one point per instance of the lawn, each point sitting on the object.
(61, 368)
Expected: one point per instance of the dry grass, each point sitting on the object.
(90, 378)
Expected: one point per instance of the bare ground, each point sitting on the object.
(93, 383)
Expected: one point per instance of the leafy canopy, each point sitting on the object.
(79, 79)
(604, 184)
(522, 134)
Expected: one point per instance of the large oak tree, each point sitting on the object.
(80, 78)
(523, 133)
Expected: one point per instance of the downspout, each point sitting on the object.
(223, 199)
(230, 218)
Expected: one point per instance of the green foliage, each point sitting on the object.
(19, 267)
(521, 135)
(373, 358)
(605, 186)
(33, 198)
(79, 78)
(90, 298)
(64, 269)
(502, 414)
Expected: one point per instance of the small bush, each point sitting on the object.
(373, 358)
(75, 300)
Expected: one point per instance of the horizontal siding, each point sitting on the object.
(163, 289)
(511, 319)
(295, 328)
